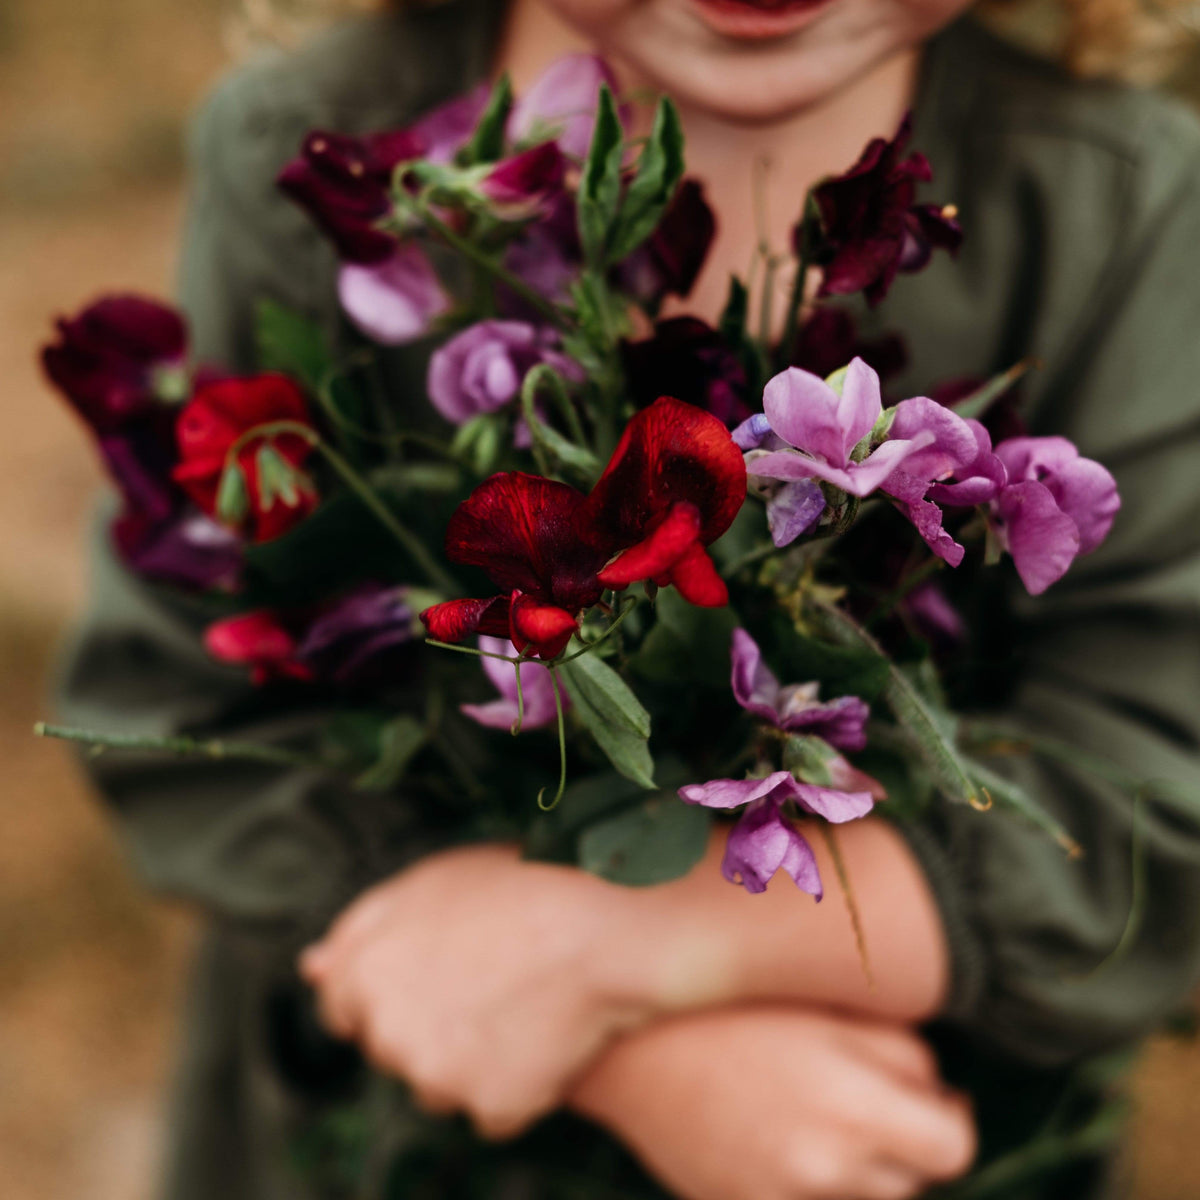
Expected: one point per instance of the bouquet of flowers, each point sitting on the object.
(622, 575)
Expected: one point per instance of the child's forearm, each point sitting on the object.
(701, 941)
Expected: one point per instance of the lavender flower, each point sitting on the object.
(536, 687)
(393, 301)
(562, 104)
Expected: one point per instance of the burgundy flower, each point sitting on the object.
(529, 535)
(829, 339)
(670, 260)
(344, 183)
(865, 225)
(275, 491)
(689, 360)
(184, 548)
(674, 484)
(352, 641)
(113, 359)
(527, 184)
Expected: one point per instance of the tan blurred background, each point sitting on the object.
(93, 99)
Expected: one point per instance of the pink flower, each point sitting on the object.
(536, 688)
(393, 301)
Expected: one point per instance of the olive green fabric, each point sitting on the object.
(1082, 209)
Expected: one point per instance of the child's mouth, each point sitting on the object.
(757, 19)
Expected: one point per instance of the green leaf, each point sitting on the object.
(277, 478)
(233, 496)
(292, 344)
(687, 644)
(399, 741)
(1012, 795)
(600, 185)
(931, 731)
(808, 758)
(660, 169)
(589, 677)
(659, 840)
(732, 325)
(487, 142)
(979, 401)
(841, 670)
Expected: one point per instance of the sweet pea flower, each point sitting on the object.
(530, 536)
(395, 300)
(795, 708)
(444, 130)
(829, 338)
(351, 642)
(537, 690)
(1056, 505)
(956, 468)
(820, 426)
(186, 548)
(481, 369)
(274, 490)
(562, 103)
(668, 263)
(865, 226)
(673, 485)
(260, 640)
(525, 185)
(688, 359)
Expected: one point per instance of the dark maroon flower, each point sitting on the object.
(186, 549)
(217, 448)
(829, 339)
(673, 485)
(114, 360)
(345, 182)
(691, 361)
(669, 261)
(529, 535)
(353, 640)
(864, 226)
(526, 184)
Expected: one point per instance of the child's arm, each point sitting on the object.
(780, 1104)
(489, 982)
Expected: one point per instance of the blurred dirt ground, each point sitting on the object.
(92, 101)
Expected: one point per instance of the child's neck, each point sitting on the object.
(789, 155)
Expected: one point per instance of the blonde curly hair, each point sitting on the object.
(1135, 40)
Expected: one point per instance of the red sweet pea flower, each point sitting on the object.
(673, 486)
(273, 492)
(261, 641)
(528, 534)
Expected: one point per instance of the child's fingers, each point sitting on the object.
(895, 1049)
(889, 1181)
(929, 1132)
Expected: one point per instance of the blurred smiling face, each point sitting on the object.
(755, 60)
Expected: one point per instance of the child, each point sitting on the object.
(687, 1019)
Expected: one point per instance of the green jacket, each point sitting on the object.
(1081, 204)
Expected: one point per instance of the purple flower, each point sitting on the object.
(865, 226)
(480, 370)
(113, 358)
(527, 184)
(186, 548)
(562, 104)
(536, 688)
(840, 722)
(793, 509)
(1057, 505)
(344, 183)
(823, 425)
(347, 642)
(394, 300)
(444, 130)
(687, 359)
(957, 468)
(669, 261)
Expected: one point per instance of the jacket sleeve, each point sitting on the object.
(1111, 664)
(255, 843)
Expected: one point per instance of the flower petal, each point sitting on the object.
(832, 804)
(545, 627)
(658, 553)
(803, 410)
(762, 842)
(754, 684)
(536, 687)
(1041, 538)
(393, 301)
(733, 793)
(696, 579)
(562, 101)
(455, 620)
(794, 510)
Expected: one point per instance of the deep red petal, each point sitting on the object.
(659, 553)
(697, 580)
(546, 627)
(670, 452)
(526, 533)
(455, 620)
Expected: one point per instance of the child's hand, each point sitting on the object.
(478, 978)
(775, 1104)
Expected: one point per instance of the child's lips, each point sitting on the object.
(757, 19)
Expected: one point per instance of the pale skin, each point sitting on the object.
(732, 1041)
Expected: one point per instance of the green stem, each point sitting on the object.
(926, 571)
(791, 319)
(470, 650)
(562, 748)
(201, 748)
(515, 728)
(839, 865)
(503, 276)
(589, 647)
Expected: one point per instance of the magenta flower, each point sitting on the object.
(480, 370)
(562, 104)
(527, 184)
(820, 427)
(956, 468)
(444, 130)
(840, 722)
(1056, 506)
(395, 300)
(536, 688)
